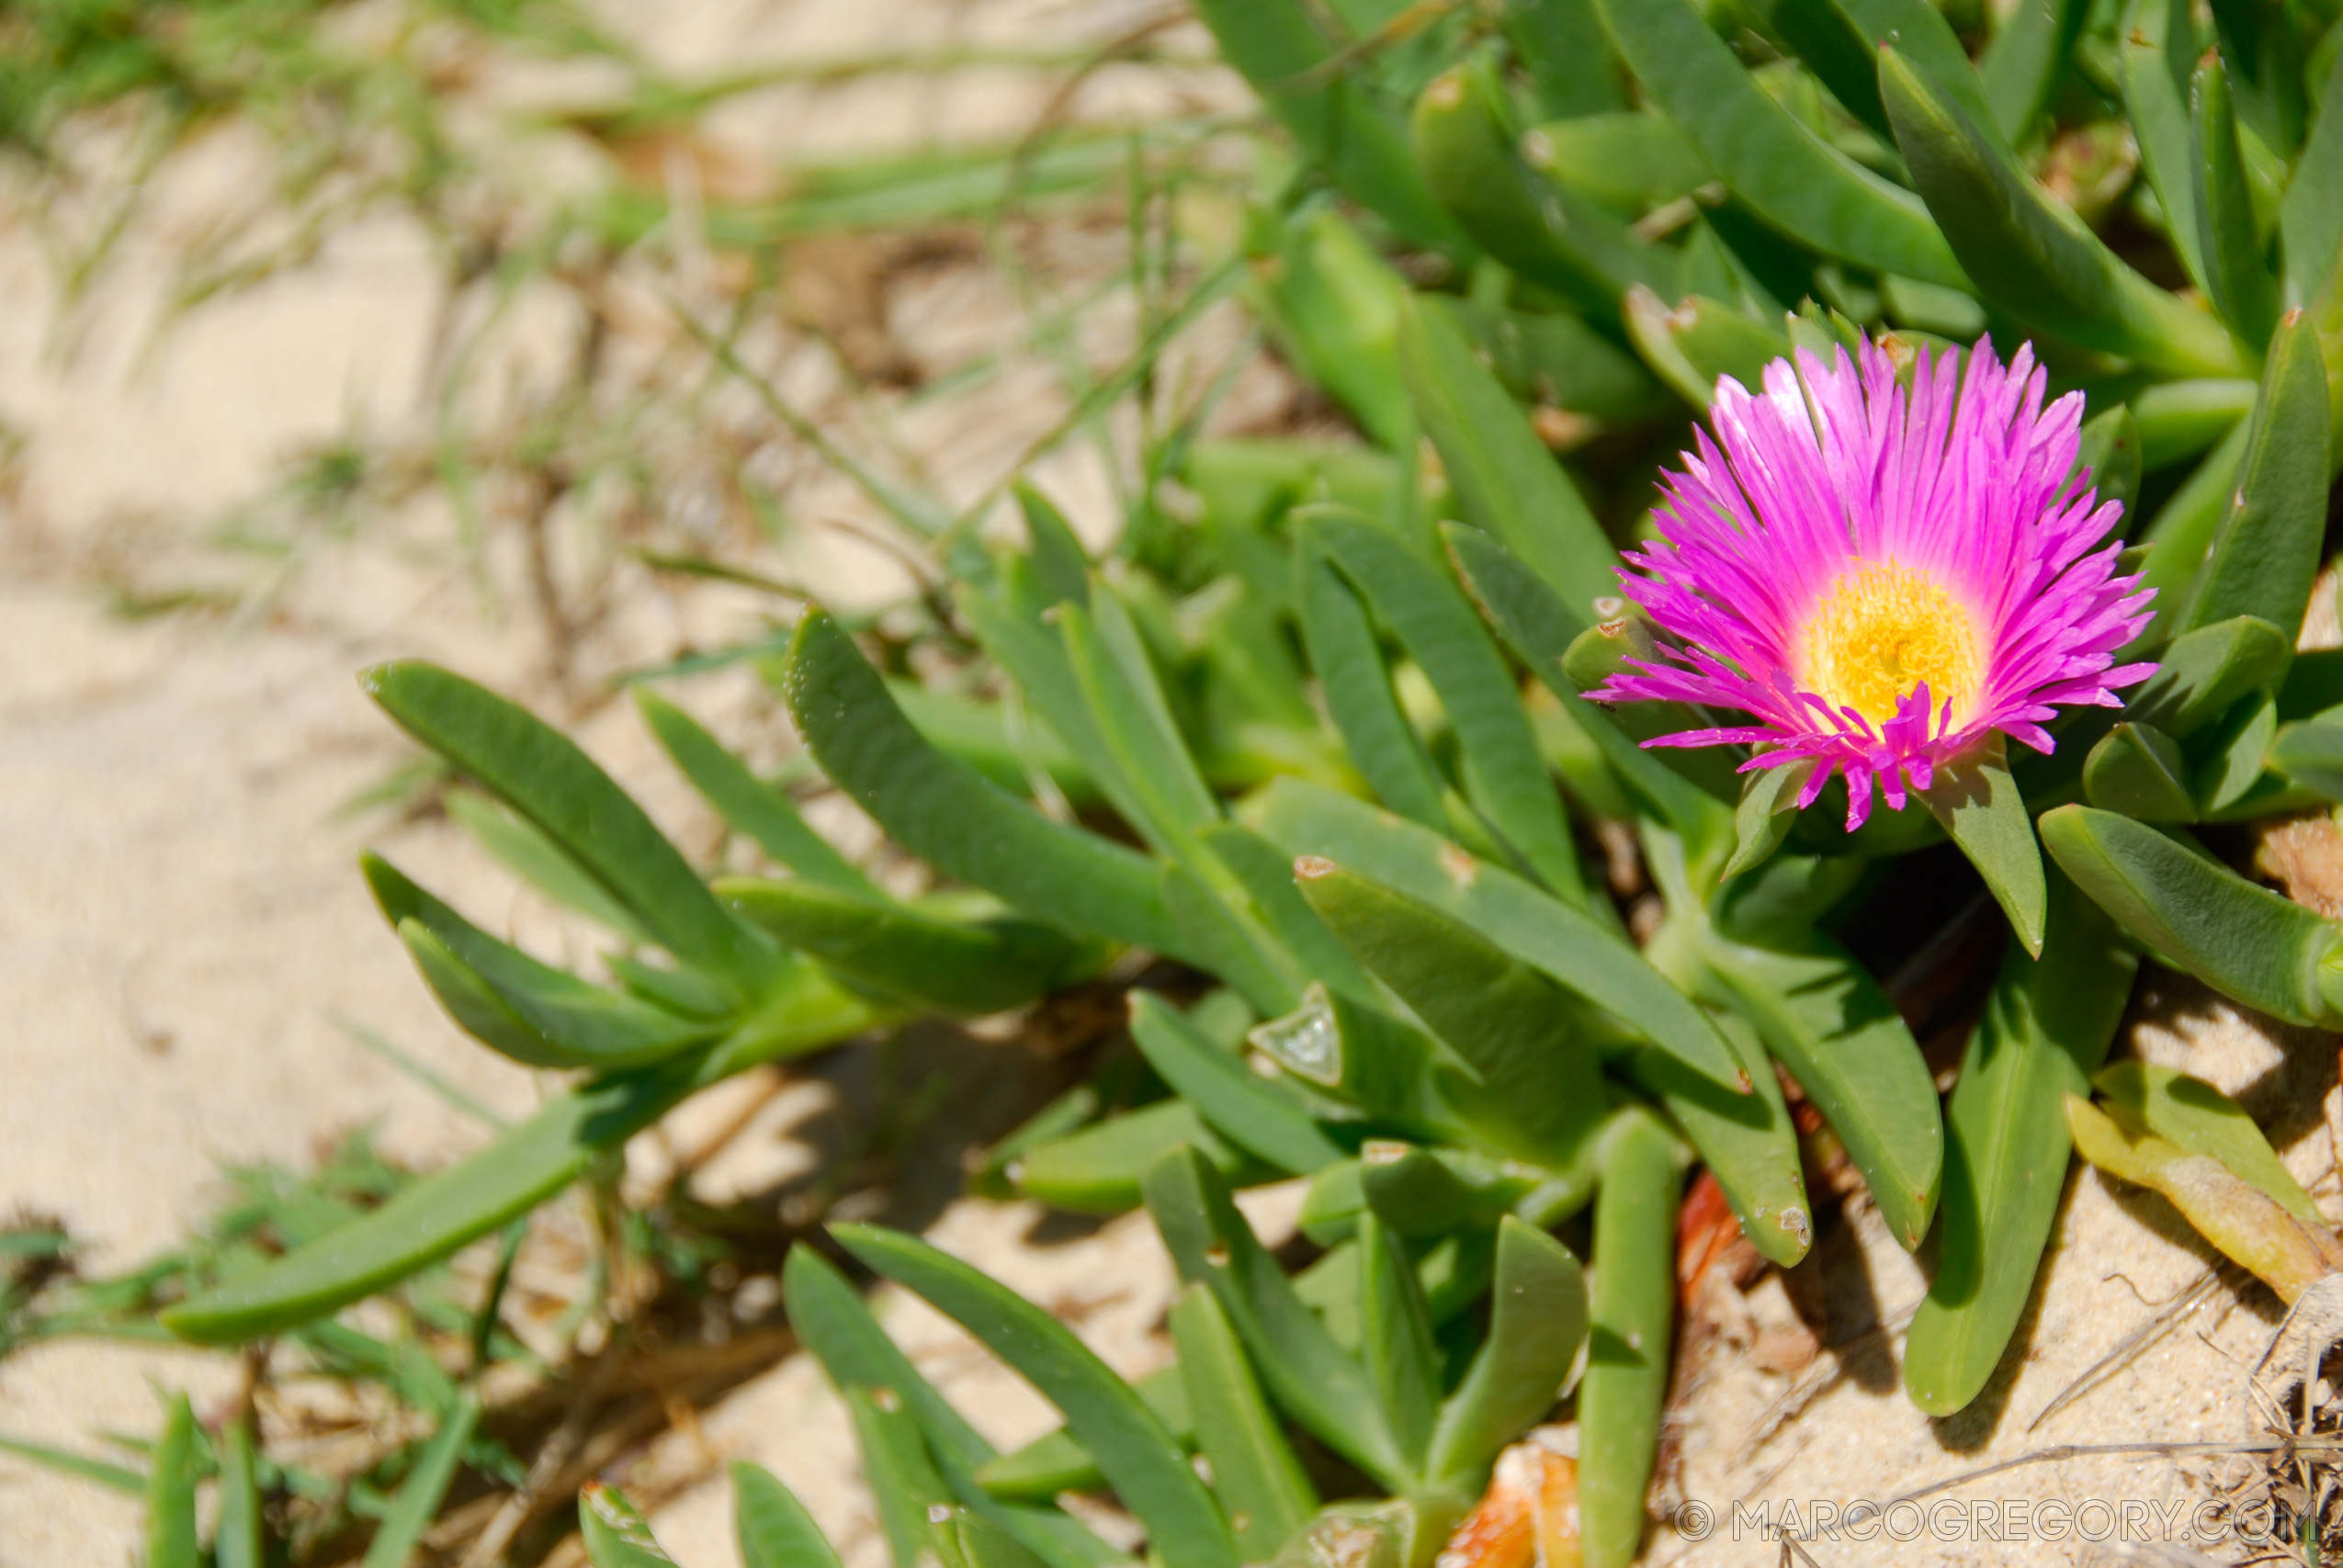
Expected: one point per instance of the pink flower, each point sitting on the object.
(1883, 581)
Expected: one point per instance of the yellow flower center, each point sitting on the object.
(1883, 629)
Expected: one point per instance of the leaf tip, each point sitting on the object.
(1309, 868)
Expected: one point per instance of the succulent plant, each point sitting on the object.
(1281, 739)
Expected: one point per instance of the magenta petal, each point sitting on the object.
(1833, 466)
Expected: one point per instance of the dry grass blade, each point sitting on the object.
(2205, 1288)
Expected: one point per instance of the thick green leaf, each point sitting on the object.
(1306, 819)
(1507, 483)
(1635, 161)
(747, 802)
(1056, 1461)
(2046, 1028)
(2026, 60)
(1828, 43)
(2181, 419)
(1747, 1141)
(522, 1168)
(1505, 776)
(1139, 1459)
(171, 1492)
(773, 1528)
(2310, 220)
(1633, 1318)
(906, 1487)
(2138, 770)
(2266, 548)
(1256, 1475)
(2201, 675)
(240, 1539)
(1331, 114)
(1541, 631)
(2234, 756)
(1920, 30)
(439, 1213)
(2198, 1117)
(1097, 1170)
(1560, 44)
(1263, 1116)
(943, 812)
(2237, 276)
(1429, 1192)
(1782, 170)
(1311, 1378)
(1826, 1020)
(966, 968)
(523, 849)
(1266, 875)
(1225, 939)
(2027, 252)
(1537, 1320)
(2311, 753)
(1127, 705)
(534, 1013)
(1699, 341)
(1605, 649)
(2180, 535)
(540, 774)
(1536, 1088)
(1769, 809)
(1982, 811)
(2110, 455)
(2245, 942)
(1332, 304)
(425, 1487)
(616, 1534)
(1362, 1055)
(1395, 1338)
(1548, 233)
(2154, 51)
(1060, 565)
(1344, 653)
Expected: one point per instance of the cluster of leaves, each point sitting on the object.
(1280, 739)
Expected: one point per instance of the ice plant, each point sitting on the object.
(1885, 580)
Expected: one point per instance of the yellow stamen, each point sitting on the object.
(1881, 630)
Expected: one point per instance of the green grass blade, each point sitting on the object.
(239, 1539)
(2046, 1028)
(542, 774)
(1139, 1459)
(171, 1492)
(411, 1512)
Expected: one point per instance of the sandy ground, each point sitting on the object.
(181, 925)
